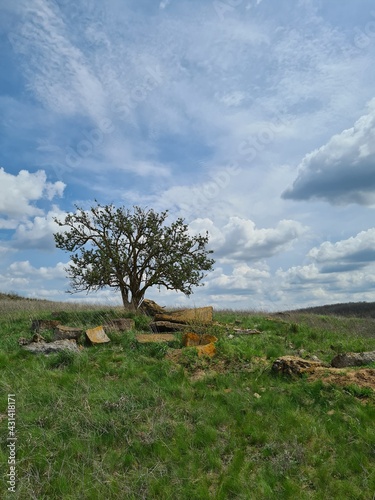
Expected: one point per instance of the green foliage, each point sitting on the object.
(131, 251)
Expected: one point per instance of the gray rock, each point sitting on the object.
(52, 347)
(119, 324)
(353, 359)
(40, 325)
(67, 332)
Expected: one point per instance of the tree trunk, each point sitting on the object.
(125, 297)
(137, 298)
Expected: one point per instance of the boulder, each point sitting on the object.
(62, 332)
(353, 359)
(167, 326)
(120, 325)
(188, 316)
(292, 365)
(151, 308)
(52, 347)
(97, 335)
(40, 325)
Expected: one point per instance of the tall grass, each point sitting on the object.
(120, 421)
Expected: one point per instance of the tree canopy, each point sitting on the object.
(131, 251)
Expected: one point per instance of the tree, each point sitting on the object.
(131, 251)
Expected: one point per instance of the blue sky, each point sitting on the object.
(254, 120)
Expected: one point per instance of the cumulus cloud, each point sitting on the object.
(243, 278)
(25, 270)
(22, 277)
(343, 170)
(340, 272)
(18, 192)
(38, 232)
(241, 240)
(346, 255)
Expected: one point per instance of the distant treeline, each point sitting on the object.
(356, 309)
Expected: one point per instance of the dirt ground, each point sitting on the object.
(364, 377)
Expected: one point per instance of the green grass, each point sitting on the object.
(120, 421)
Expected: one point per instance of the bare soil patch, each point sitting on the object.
(364, 377)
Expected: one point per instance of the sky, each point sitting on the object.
(253, 120)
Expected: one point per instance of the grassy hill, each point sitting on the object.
(122, 421)
(350, 309)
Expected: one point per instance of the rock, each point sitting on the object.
(315, 358)
(120, 325)
(52, 347)
(151, 308)
(23, 341)
(188, 316)
(292, 365)
(206, 350)
(167, 326)
(146, 338)
(353, 359)
(193, 339)
(39, 325)
(67, 332)
(190, 339)
(97, 335)
(247, 331)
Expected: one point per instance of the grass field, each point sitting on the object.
(120, 421)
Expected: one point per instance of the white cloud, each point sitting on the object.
(25, 270)
(22, 277)
(346, 255)
(38, 232)
(243, 278)
(239, 239)
(18, 192)
(342, 171)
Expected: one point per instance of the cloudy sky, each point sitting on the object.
(254, 120)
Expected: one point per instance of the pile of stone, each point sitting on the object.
(164, 326)
(176, 321)
(166, 323)
(66, 338)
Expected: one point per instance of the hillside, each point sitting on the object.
(126, 420)
(349, 309)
